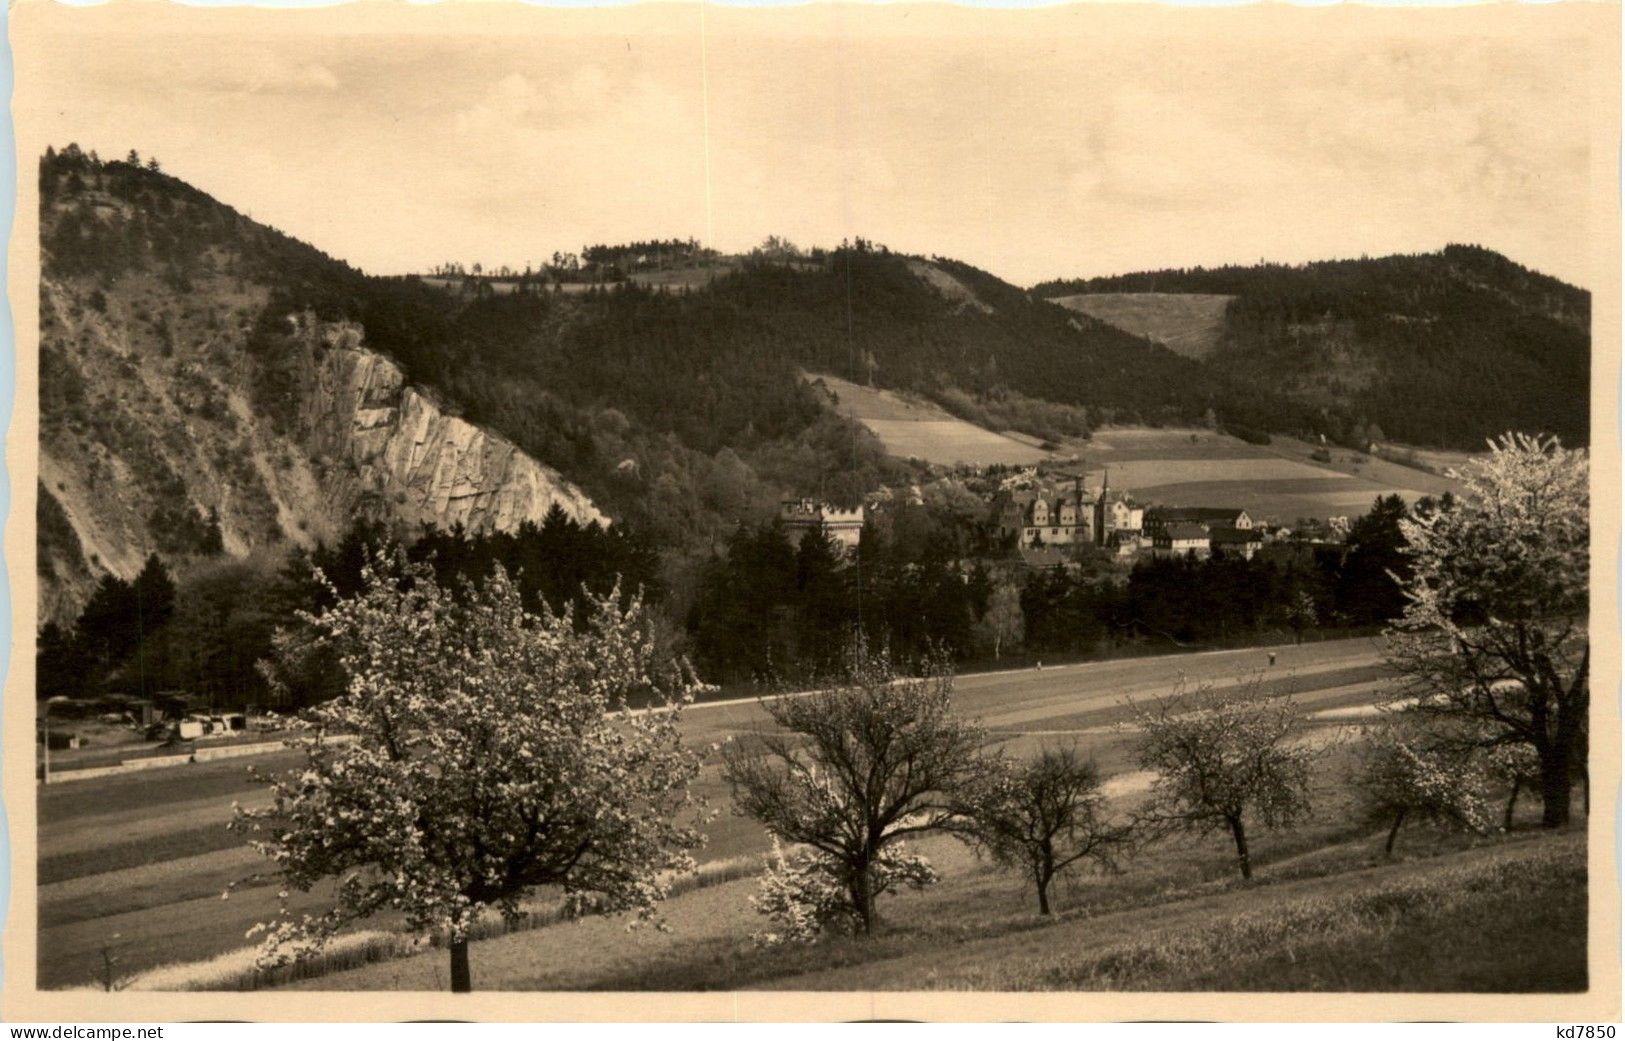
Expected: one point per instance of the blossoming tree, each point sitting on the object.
(1406, 774)
(1495, 626)
(1222, 759)
(479, 751)
(807, 893)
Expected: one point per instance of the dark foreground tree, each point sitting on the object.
(1494, 637)
(478, 751)
(1223, 759)
(871, 758)
(1043, 817)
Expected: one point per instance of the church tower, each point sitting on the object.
(1101, 516)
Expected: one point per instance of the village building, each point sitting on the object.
(800, 516)
(1236, 542)
(1045, 517)
(1077, 516)
(1127, 543)
(1208, 518)
(1178, 540)
(1118, 519)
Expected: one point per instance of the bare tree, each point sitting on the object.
(1223, 759)
(1046, 817)
(870, 759)
(1494, 633)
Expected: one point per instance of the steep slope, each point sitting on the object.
(153, 432)
(1442, 349)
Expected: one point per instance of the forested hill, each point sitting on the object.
(683, 409)
(679, 411)
(1444, 348)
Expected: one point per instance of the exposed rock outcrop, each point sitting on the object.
(148, 439)
(429, 466)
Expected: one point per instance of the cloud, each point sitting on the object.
(511, 101)
(586, 146)
(260, 73)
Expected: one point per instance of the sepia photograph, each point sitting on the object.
(899, 511)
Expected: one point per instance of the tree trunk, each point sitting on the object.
(1042, 879)
(461, 981)
(1512, 804)
(1556, 788)
(1242, 858)
(863, 900)
(1393, 833)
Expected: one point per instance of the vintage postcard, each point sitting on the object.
(686, 512)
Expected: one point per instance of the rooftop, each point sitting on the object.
(1237, 535)
(1195, 513)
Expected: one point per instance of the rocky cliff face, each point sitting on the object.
(151, 439)
(404, 449)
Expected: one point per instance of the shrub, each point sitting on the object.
(806, 893)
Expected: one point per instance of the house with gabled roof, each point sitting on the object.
(1235, 542)
(1178, 540)
(1206, 517)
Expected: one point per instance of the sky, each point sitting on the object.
(1037, 145)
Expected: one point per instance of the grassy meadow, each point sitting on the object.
(132, 869)
(1325, 911)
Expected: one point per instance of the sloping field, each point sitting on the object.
(1122, 444)
(682, 277)
(949, 441)
(1185, 323)
(1159, 466)
(1281, 501)
(949, 286)
(915, 429)
(1146, 473)
(1325, 912)
(1280, 480)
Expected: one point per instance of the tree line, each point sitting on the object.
(206, 631)
(772, 603)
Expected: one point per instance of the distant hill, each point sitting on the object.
(1440, 349)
